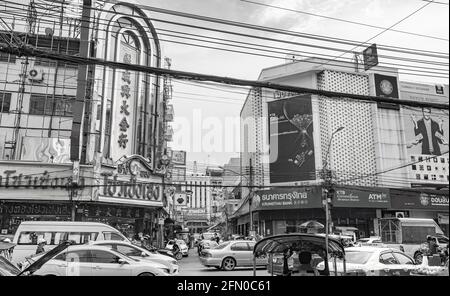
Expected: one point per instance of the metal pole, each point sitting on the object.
(254, 265)
(251, 195)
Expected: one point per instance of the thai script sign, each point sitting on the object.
(287, 198)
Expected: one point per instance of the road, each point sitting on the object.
(191, 266)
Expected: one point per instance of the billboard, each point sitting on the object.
(386, 86)
(419, 200)
(290, 198)
(291, 140)
(362, 198)
(370, 55)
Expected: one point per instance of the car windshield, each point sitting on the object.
(357, 257)
(221, 246)
(7, 266)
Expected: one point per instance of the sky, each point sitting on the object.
(206, 108)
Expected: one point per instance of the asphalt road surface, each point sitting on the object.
(191, 266)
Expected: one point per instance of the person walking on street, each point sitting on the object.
(432, 245)
(40, 248)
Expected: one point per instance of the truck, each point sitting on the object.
(410, 235)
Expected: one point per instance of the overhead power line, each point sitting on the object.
(30, 51)
(344, 20)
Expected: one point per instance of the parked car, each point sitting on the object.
(374, 261)
(184, 250)
(369, 241)
(231, 254)
(275, 266)
(54, 232)
(92, 260)
(139, 253)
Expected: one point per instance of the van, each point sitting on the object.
(54, 232)
(409, 234)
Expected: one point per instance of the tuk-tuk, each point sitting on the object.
(298, 242)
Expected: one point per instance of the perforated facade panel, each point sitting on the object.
(352, 153)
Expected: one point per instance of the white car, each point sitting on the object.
(369, 241)
(89, 260)
(373, 261)
(184, 250)
(139, 253)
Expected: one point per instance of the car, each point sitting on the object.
(369, 241)
(374, 261)
(139, 253)
(92, 260)
(275, 266)
(184, 250)
(231, 254)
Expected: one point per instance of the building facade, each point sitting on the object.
(288, 139)
(49, 115)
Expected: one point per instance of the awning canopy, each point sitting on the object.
(298, 242)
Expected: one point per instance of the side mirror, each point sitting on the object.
(122, 261)
(143, 254)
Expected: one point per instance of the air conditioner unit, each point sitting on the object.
(36, 75)
(400, 215)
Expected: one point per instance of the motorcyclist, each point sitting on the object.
(175, 248)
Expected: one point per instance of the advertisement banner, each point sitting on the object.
(292, 198)
(362, 198)
(386, 86)
(178, 157)
(419, 200)
(291, 140)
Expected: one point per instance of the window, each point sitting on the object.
(402, 259)
(240, 247)
(416, 234)
(421, 167)
(441, 176)
(104, 257)
(428, 159)
(435, 159)
(436, 169)
(442, 160)
(6, 57)
(433, 177)
(127, 250)
(31, 237)
(78, 237)
(420, 158)
(425, 177)
(414, 167)
(429, 167)
(413, 158)
(5, 102)
(112, 236)
(77, 256)
(41, 104)
(418, 176)
(388, 258)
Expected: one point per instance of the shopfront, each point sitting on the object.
(431, 204)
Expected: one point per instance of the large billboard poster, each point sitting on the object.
(291, 140)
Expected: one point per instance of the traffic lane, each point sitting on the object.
(191, 266)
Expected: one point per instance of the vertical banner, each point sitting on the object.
(291, 140)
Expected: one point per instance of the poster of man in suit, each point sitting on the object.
(427, 131)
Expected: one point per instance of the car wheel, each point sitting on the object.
(146, 274)
(179, 256)
(228, 264)
(418, 257)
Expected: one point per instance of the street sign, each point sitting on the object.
(370, 55)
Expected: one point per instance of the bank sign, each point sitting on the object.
(420, 200)
(362, 198)
(296, 198)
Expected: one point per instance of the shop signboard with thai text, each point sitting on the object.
(25, 181)
(366, 197)
(132, 182)
(404, 200)
(292, 198)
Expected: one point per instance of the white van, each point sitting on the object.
(54, 232)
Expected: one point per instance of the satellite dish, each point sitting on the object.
(49, 31)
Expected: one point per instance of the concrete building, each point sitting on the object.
(49, 115)
(286, 139)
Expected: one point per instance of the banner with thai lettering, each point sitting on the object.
(404, 200)
(292, 198)
(366, 197)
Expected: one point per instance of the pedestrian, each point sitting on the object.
(40, 248)
(217, 238)
(432, 245)
(286, 255)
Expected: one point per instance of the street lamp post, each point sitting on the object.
(329, 186)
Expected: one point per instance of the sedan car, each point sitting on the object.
(231, 254)
(374, 261)
(184, 250)
(90, 260)
(139, 253)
